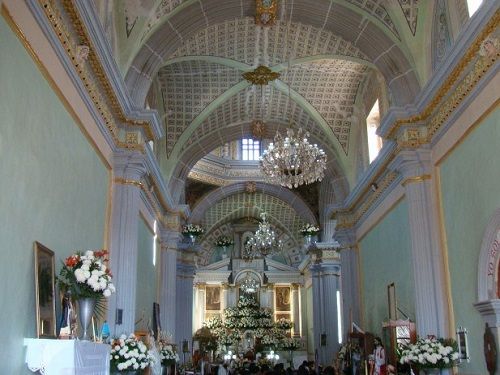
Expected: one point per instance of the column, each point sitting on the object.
(296, 310)
(184, 305)
(128, 170)
(325, 272)
(199, 308)
(223, 296)
(349, 280)
(270, 296)
(169, 240)
(426, 255)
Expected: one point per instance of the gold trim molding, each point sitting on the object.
(416, 179)
(124, 181)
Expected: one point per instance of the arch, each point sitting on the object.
(294, 200)
(196, 151)
(375, 40)
(489, 258)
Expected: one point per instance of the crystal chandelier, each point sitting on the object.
(263, 243)
(292, 161)
(249, 285)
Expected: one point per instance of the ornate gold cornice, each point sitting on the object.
(124, 181)
(447, 106)
(91, 72)
(420, 129)
(261, 75)
(416, 179)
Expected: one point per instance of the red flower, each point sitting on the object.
(72, 260)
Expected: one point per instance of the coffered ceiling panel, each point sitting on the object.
(240, 40)
(187, 88)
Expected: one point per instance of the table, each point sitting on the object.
(67, 357)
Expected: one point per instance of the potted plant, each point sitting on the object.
(192, 231)
(129, 355)
(308, 230)
(430, 354)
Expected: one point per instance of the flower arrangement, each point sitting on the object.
(192, 230)
(86, 275)
(429, 353)
(129, 353)
(308, 229)
(168, 355)
(290, 343)
(284, 324)
(223, 241)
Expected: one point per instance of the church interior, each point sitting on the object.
(268, 180)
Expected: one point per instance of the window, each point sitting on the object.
(473, 6)
(250, 149)
(372, 123)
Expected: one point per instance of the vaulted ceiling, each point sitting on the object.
(186, 59)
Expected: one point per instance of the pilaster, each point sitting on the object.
(296, 310)
(128, 169)
(184, 306)
(349, 282)
(426, 254)
(199, 306)
(223, 296)
(169, 240)
(325, 272)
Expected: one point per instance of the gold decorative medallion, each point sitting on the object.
(258, 129)
(262, 75)
(265, 14)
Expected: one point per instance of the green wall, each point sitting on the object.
(470, 181)
(53, 190)
(385, 258)
(146, 277)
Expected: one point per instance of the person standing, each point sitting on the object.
(379, 366)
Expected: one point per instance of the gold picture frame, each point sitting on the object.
(45, 302)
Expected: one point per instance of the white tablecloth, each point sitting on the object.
(67, 357)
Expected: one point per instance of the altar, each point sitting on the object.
(66, 357)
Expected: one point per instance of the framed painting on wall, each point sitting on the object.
(282, 295)
(212, 301)
(45, 292)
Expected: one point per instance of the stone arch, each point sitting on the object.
(375, 40)
(199, 149)
(295, 201)
(489, 258)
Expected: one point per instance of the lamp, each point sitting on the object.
(263, 243)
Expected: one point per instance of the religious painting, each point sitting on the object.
(44, 291)
(212, 301)
(282, 296)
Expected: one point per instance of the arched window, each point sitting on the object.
(372, 124)
(473, 6)
(250, 149)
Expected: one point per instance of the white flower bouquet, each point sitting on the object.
(86, 275)
(223, 241)
(284, 324)
(168, 355)
(309, 229)
(290, 343)
(129, 354)
(192, 230)
(429, 353)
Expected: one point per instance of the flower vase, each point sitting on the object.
(224, 252)
(430, 371)
(307, 239)
(192, 237)
(166, 369)
(85, 312)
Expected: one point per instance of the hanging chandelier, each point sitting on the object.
(263, 243)
(293, 161)
(249, 285)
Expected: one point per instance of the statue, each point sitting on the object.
(490, 350)
(379, 367)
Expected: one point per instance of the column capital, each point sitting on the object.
(295, 286)
(412, 163)
(325, 253)
(169, 239)
(129, 165)
(346, 237)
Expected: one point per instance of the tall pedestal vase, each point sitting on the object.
(430, 371)
(85, 311)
